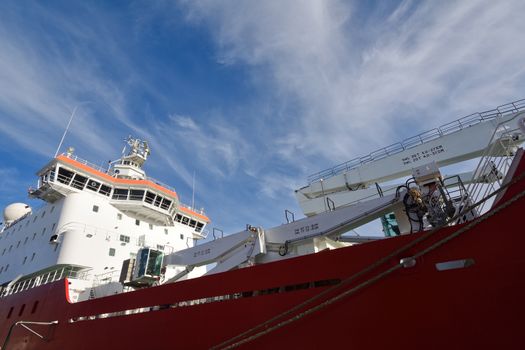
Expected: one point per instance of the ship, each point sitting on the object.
(113, 260)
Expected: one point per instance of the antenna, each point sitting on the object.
(193, 192)
(65, 131)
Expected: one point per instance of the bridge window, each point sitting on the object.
(178, 218)
(136, 195)
(93, 185)
(150, 197)
(79, 181)
(64, 175)
(120, 194)
(200, 225)
(165, 204)
(105, 190)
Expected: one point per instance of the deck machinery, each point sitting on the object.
(354, 193)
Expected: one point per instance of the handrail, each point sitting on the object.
(445, 129)
(106, 170)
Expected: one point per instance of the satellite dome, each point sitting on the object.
(15, 211)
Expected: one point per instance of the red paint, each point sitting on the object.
(478, 307)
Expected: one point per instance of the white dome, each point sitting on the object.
(15, 211)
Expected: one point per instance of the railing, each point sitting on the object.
(106, 170)
(426, 136)
(85, 162)
(491, 170)
(45, 278)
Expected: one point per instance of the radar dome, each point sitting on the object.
(15, 211)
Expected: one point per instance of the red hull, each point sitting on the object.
(480, 306)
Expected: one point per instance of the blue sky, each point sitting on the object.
(252, 96)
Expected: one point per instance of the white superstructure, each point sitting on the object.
(114, 230)
(93, 220)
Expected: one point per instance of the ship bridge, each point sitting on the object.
(123, 183)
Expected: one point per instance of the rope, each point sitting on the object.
(370, 268)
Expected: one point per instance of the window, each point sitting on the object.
(43, 213)
(193, 223)
(18, 245)
(119, 216)
(136, 195)
(6, 267)
(160, 247)
(137, 222)
(95, 208)
(64, 175)
(43, 231)
(200, 225)
(105, 190)
(34, 235)
(178, 218)
(124, 238)
(112, 251)
(25, 259)
(120, 194)
(181, 236)
(53, 227)
(151, 226)
(150, 197)
(33, 256)
(79, 181)
(185, 220)
(165, 204)
(1, 269)
(52, 208)
(165, 231)
(93, 185)
(10, 247)
(36, 217)
(25, 240)
(4, 251)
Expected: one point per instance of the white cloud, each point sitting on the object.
(421, 64)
